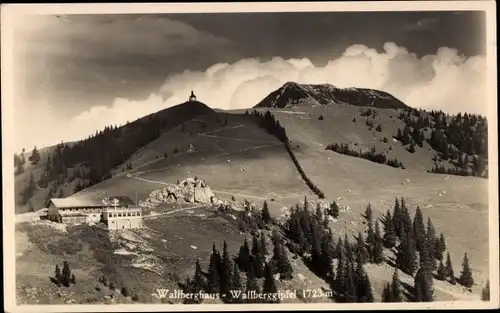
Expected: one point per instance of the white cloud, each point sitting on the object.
(444, 81)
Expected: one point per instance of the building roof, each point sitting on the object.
(77, 202)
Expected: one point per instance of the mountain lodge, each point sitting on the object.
(118, 212)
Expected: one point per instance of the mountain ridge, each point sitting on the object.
(323, 94)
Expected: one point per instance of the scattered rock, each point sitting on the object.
(194, 247)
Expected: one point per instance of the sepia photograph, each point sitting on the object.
(230, 156)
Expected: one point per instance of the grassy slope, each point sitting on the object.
(269, 173)
(461, 213)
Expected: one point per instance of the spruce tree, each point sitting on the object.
(213, 276)
(226, 271)
(386, 293)
(198, 282)
(423, 287)
(395, 288)
(266, 215)
(378, 250)
(361, 251)
(419, 229)
(369, 213)
(269, 285)
(327, 253)
(485, 293)
(284, 266)
(406, 258)
(350, 284)
(334, 210)
(441, 272)
(341, 271)
(450, 273)
(389, 238)
(236, 283)
(363, 286)
(440, 248)
(348, 249)
(58, 275)
(244, 256)
(252, 284)
(397, 218)
(466, 278)
(431, 238)
(66, 274)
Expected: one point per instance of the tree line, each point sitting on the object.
(461, 139)
(370, 155)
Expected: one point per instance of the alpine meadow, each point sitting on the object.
(252, 158)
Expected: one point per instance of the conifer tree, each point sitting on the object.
(378, 250)
(350, 285)
(406, 258)
(252, 284)
(341, 271)
(419, 229)
(266, 215)
(431, 238)
(236, 283)
(363, 286)
(334, 210)
(370, 242)
(369, 213)
(361, 251)
(349, 250)
(269, 285)
(485, 293)
(440, 248)
(466, 278)
(406, 225)
(244, 256)
(450, 273)
(441, 272)
(66, 274)
(423, 287)
(198, 282)
(58, 275)
(213, 276)
(226, 271)
(327, 253)
(395, 288)
(386, 293)
(389, 238)
(397, 218)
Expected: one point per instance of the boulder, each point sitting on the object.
(190, 190)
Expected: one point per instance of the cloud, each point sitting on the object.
(444, 80)
(108, 36)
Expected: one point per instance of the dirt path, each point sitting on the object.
(173, 211)
(216, 191)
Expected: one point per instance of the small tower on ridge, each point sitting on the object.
(192, 97)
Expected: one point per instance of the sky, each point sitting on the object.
(74, 74)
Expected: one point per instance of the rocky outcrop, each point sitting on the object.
(190, 190)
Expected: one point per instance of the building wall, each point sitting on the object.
(124, 222)
(74, 219)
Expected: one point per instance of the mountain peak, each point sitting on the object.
(292, 93)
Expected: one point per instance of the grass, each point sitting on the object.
(457, 205)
